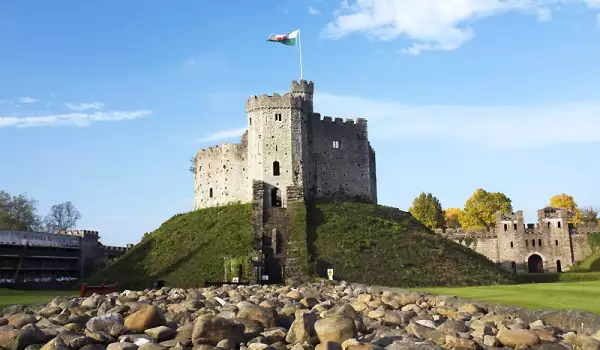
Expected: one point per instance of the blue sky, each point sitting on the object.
(103, 103)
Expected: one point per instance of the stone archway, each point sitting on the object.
(535, 264)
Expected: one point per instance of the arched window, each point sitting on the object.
(559, 224)
(556, 242)
(548, 225)
(511, 245)
(275, 168)
(210, 193)
(539, 242)
(505, 227)
(533, 242)
(513, 267)
(515, 226)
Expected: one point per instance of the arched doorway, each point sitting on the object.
(535, 264)
(558, 266)
(275, 197)
(513, 267)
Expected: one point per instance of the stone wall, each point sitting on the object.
(221, 175)
(342, 156)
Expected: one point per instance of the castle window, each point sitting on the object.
(210, 193)
(539, 242)
(336, 144)
(505, 227)
(548, 225)
(559, 224)
(511, 245)
(556, 242)
(275, 168)
(250, 121)
(533, 242)
(515, 226)
(278, 117)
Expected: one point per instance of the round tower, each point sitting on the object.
(304, 89)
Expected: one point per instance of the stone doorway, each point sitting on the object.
(558, 266)
(535, 264)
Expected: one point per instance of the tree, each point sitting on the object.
(62, 216)
(451, 217)
(567, 202)
(481, 208)
(19, 211)
(427, 209)
(590, 214)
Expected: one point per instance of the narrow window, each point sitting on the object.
(250, 121)
(505, 227)
(336, 144)
(533, 242)
(278, 117)
(511, 244)
(515, 226)
(559, 224)
(539, 242)
(275, 197)
(275, 168)
(556, 242)
(210, 193)
(548, 225)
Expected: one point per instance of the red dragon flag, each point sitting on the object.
(286, 39)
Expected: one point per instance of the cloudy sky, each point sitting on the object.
(103, 103)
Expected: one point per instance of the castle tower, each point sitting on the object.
(276, 139)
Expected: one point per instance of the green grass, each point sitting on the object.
(591, 263)
(552, 296)
(10, 297)
(380, 245)
(185, 250)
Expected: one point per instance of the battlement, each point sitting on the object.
(224, 147)
(460, 233)
(79, 233)
(358, 122)
(275, 101)
(553, 213)
(303, 86)
(586, 228)
(110, 248)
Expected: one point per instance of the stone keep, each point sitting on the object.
(288, 145)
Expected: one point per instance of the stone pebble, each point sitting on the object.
(325, 315)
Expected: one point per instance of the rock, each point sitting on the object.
(335, 328)
(151, 346)
(56, 344)
(104, 323)
(295, 294)
(209, 329)
(518, 337)
(160, 333)
(329, 345)
(302, 329)
(359, 305)
(452, 326)
(419, 330)
(20, 320)
(274, 335)
(582, 342)
(19, 339)
(146, 317)
(121, 346)
(227, 344)
(93, 347)
(489, 340)
(254, 312)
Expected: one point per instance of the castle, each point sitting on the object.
(551, 245)
(288, 154)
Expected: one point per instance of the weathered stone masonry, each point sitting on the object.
(551, 245)
(288, 155)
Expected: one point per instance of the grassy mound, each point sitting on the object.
(590, 264)
(379, 245)
(185, 250)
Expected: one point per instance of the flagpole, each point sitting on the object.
(300, 49)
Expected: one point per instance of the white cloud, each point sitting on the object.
(223, 135)
(313, 11)
(429, 24)
(501, 127)
(84, 106)
(27, 100)
(71, 119)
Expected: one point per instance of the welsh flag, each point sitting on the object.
(286, 39)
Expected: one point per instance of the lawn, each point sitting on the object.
(10, 297)
(557, 296)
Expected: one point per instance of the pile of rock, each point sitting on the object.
(325, 316)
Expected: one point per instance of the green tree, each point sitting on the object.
(590, 214)
(20, 211)
(481, 208)
(565, 201)
(427, 209)
(451, 216)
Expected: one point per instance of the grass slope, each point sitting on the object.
(379, 245)
(185, 250)
(590, 264)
